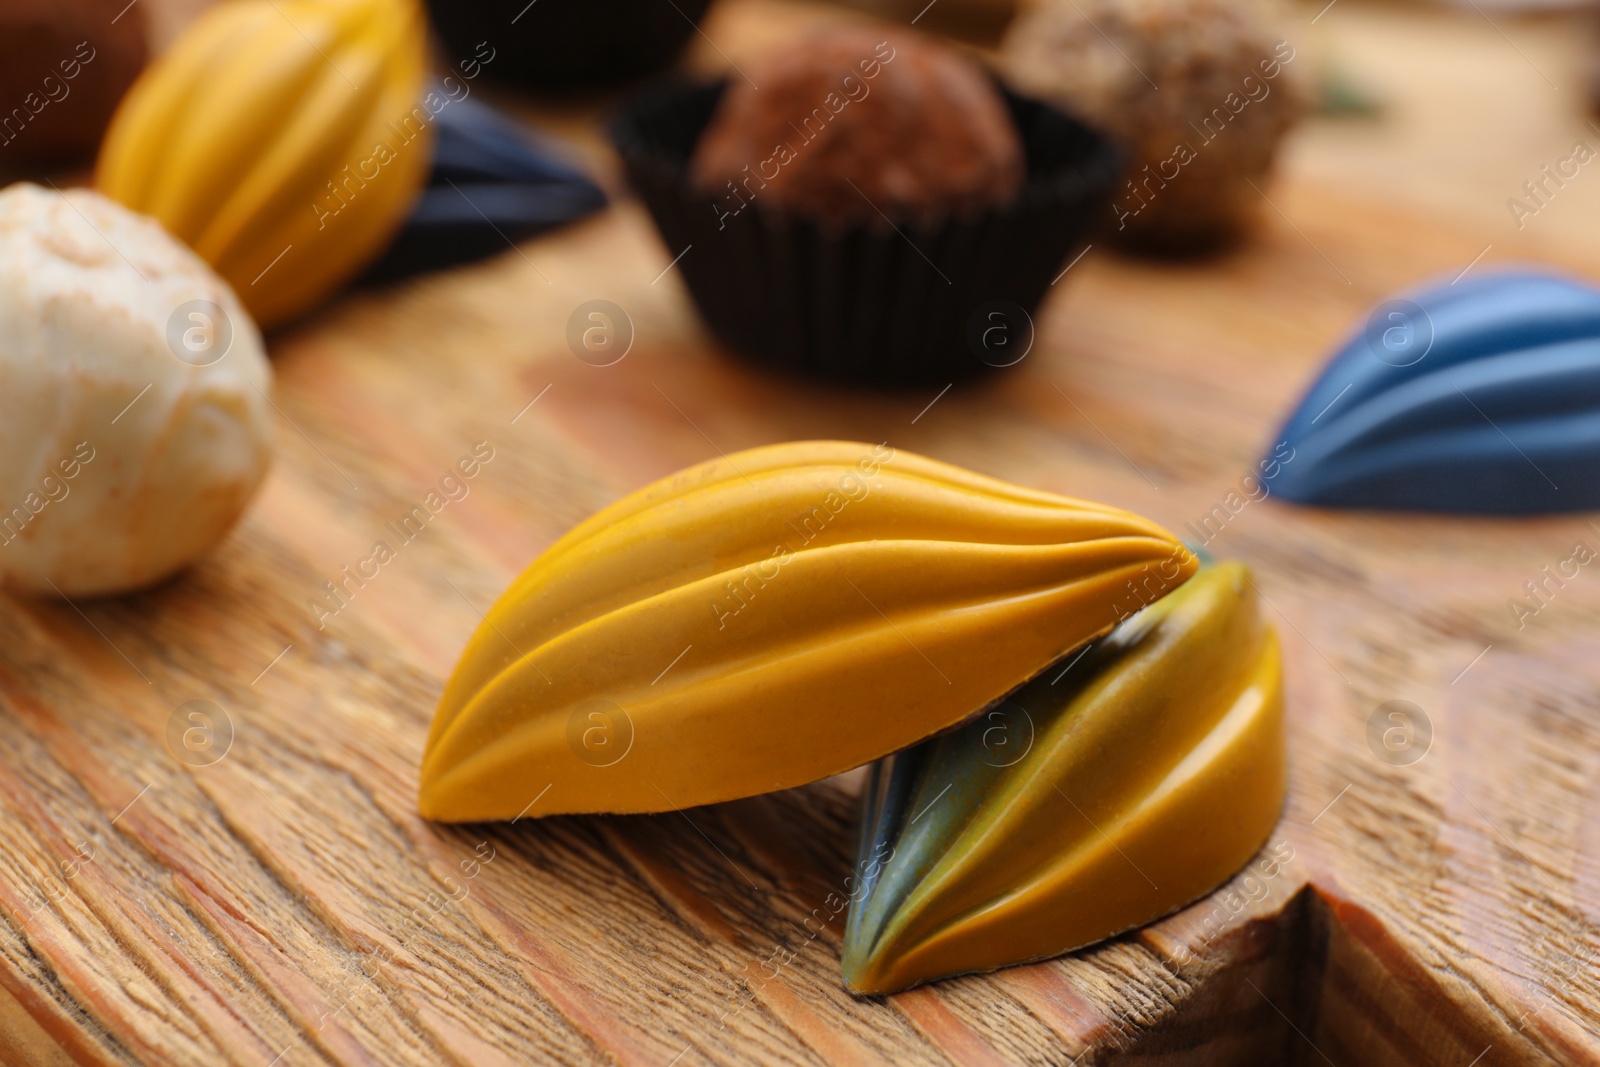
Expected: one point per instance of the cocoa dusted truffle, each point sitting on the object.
(856, 120)
(64, 65)
(1202, 90)
(783, 198)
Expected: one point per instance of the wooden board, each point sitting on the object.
(282, 904)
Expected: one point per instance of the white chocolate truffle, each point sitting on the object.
(134, 419)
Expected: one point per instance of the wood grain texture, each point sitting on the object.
(284, 904)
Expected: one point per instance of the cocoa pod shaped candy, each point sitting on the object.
(1479, 396)
(768, 619)
(283, 140)
(1115, 788)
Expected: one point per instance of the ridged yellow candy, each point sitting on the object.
(283, 140)
(768, 619)
(1094, 799)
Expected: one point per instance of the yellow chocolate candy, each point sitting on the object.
(768, 619)
(283, 140)
(1092, 800)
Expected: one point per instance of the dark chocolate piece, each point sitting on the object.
(64, 66)
(492, 184)
(564, 45)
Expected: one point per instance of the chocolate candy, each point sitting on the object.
(285, 141)
(1121, 784)
(64, 65)
(1479, 397)
(492, 184)
(852, 121)
(768, 619)
(565, 45)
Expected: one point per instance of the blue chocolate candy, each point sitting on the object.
(1479, 397)
(492, 184)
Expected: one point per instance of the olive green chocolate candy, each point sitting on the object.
(1109, 791)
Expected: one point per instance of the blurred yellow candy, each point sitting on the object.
(770, 618)
(284, 140)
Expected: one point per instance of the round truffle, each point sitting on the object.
(1201, 90)
(64, 65)
(134, 419)
(854, 121)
